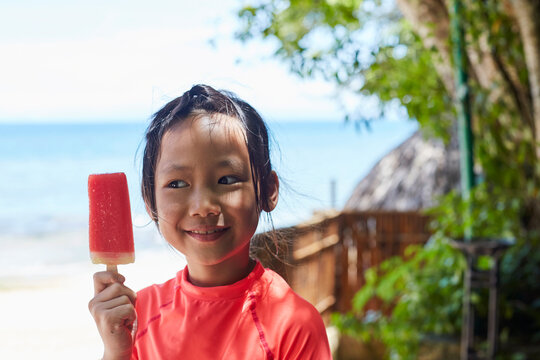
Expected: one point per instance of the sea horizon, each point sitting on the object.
(43, 186)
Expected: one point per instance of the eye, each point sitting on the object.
(177, 184)
(228, 180)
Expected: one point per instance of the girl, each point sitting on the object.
(206, 178)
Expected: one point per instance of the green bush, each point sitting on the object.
(422, 293)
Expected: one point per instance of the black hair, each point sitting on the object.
(200, 100)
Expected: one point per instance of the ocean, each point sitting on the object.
(44, 170)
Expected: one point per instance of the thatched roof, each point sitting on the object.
(409, 177)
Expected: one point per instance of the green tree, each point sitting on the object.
(399, 52)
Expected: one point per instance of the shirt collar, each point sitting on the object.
(231, 291)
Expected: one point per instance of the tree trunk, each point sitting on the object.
(423, 15)
(527, 14)
(431, 20)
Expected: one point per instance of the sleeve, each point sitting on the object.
(134, 352)
(142, 307)
(306, 337)
(134, 355)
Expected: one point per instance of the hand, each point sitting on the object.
(113, 309)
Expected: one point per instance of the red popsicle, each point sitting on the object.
(110, 227)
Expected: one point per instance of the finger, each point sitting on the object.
(122, 316)
(116, 290)
(101, 310)
(129, 314)
(103, 279)
(116, 302)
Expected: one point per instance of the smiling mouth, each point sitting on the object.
(206, 232)
(207, 235)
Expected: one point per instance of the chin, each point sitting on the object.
(240, 252)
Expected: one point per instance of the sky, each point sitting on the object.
(119, 60)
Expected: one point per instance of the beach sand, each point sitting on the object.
(47, 317)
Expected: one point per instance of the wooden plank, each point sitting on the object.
(325, 304)
(315, 247)
(318, 256)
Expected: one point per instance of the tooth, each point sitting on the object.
(200, 232)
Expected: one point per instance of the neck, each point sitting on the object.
(225, 273)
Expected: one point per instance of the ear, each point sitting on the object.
(273, 192)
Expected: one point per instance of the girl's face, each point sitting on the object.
(205, 197)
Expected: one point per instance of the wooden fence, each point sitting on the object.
(324, 261)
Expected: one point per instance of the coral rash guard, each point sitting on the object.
(259, 317)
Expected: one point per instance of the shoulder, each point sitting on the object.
(294, 325)
(280, 296)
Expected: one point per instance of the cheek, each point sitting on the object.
(166, 206)
(240, 201)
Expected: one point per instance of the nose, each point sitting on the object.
(203, 203)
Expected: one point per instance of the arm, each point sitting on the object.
(114, 313)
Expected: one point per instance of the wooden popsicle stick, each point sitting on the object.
(112, 268)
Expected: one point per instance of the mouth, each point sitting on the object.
(207, 234)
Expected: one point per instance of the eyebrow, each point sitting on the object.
(175, 167)
(230, 163)
(234, 164)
